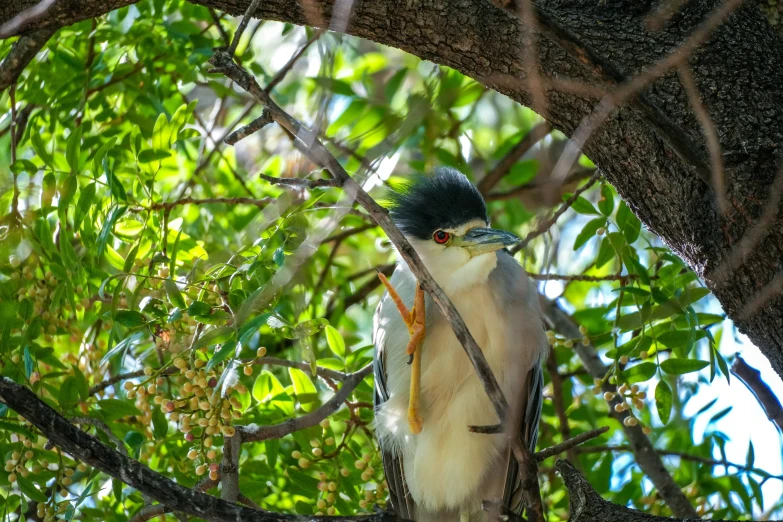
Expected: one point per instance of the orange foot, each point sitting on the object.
(416, 323)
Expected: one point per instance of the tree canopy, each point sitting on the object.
(187, 275)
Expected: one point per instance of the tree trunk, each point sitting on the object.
(652, 149)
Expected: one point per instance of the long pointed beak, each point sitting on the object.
(482, 240)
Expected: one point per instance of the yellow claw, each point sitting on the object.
(415, 320)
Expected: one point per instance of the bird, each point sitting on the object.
(435, 468)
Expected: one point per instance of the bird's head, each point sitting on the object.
(445, 219)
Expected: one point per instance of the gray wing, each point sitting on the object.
(399, 497)
(512, 496)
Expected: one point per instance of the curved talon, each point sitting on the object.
(410, 359)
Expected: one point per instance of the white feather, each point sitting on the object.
(448, 469)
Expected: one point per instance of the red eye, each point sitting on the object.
(441, 237)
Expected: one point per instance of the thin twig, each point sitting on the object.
(546, 225)
(300, 182)
(559, 404)
(232, 49)
(276, 431)
(622, 278)
(283, 72)
(99, 424)
(571, 443)
(168, 205)
(246, 130)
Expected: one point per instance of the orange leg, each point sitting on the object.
(415, 320)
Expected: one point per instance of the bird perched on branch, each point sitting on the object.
(426, 390)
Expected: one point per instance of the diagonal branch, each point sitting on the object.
(174, 496)
(23, 51)
(751, 378)
(307, 142)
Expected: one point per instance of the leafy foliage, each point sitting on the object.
(146, 269)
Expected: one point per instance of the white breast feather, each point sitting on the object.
(448, 468)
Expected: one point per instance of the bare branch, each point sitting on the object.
(242, 26)
(571, 443)
(92, 451)
(751, 378)
(276, 431)
(301, 182)
(246, 130)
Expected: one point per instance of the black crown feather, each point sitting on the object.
(443, 199)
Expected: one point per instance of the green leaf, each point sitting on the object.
(114, 409)
(606, 203)
(682, 366)
(175, 296)
(67, 190)
(605, 253)
(215, 336)
(73, 150)
(199, 308)
(30, 490)
(40, 149)
(29, 365)
(640, 372)
(588, 231)
(68, 396)
(279, 256)
(581, 205)
(48, 188)
(130, 318)
(108, 225)
(663, 401)
(304, 388)
(251, 327)
(160, 426)
(628, 223)
(267, 387)
(220, 355)
(335, 341)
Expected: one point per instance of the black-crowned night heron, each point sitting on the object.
(437, 470)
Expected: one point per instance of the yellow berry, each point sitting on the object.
(248, 370)
(304, 463)
(192, 454)
(261, 352)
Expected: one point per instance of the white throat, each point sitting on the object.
(453, 268)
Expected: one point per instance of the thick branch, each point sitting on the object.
(23, 51)
(751, 378)
(90, 450)
(588, 506)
